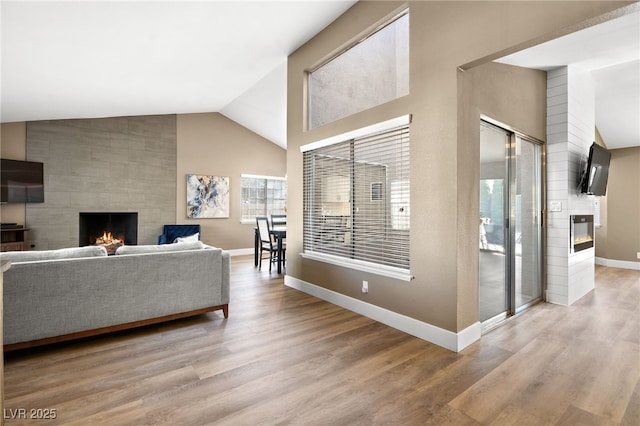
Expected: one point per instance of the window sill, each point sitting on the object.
(387, 271)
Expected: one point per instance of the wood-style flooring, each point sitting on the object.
(284, 357)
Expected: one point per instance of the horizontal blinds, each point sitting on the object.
(357, 198)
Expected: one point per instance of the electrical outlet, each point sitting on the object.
(638, 255)
(365, 287)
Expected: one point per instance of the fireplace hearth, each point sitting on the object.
(108, 229)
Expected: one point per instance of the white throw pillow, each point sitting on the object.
(189, 239)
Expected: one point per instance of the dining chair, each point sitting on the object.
(267, 242)
(278, 220)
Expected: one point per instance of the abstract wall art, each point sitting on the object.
(207, 196)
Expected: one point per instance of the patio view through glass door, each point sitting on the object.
(509, 224)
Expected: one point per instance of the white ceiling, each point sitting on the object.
(82, 59)
(611, 52)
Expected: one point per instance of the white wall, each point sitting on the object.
(570, 133)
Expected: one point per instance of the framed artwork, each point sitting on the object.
(207, 196)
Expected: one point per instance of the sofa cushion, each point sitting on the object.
(160, 248)
(190, 238)
(65, 253)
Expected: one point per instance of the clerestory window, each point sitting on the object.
(372, 72)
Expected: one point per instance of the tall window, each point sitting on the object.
(357, 199)
(262, 196)
(370, 73)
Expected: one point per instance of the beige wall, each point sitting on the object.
(211, 144)
(444, 241)
(601, 231)
(492, 90)
(206, 144)
(619, 236)
(13, 145)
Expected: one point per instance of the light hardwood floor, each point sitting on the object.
(284, 357)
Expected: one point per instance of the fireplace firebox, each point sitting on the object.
(108, 229)
(581, 232)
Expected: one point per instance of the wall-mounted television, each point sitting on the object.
(594, 178)
(21, 181)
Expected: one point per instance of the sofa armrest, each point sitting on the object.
(226, 270)
(226, 275)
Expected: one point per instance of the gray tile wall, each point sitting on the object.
(123, 164)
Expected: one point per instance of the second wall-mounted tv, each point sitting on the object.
(21, 181)
(595, 177)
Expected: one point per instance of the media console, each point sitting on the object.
(12, 237)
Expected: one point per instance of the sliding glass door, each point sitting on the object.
(510, 231)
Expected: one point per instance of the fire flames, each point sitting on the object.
(582, 239)
(108, 241)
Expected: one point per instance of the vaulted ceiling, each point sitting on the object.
(82, 59)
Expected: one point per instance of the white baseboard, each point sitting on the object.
(240, 252)
(624, 264)
(439, 336)
(557, 299)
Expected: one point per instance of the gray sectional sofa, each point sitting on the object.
(58, 295)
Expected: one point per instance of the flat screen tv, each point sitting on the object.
(21, 181)
(594, 178)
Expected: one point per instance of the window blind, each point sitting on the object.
(357, 199)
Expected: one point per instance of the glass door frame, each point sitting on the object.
(510, 225)
(539, 169)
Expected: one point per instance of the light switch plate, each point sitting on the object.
(555, 206)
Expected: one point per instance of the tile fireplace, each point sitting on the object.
(108, 229)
